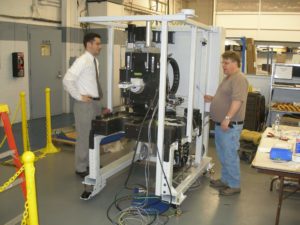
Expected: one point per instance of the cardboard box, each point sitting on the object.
(296, 59)
(267, 67)
(281, 58)
(290, 121)
(251, 56)
(249, 41)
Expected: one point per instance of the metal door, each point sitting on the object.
(45, 71)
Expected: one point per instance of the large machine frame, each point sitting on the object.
(206, 43)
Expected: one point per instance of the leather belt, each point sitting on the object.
(232, 123)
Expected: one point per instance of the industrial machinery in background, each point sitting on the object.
(162, 83)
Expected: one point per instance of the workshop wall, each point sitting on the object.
(264, 20)
(16, 19)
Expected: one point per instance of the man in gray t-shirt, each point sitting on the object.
(227, 110)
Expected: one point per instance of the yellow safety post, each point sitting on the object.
(50, 148)
(28, 159)
(26, 146)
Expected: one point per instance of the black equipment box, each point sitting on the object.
(131, 124)
(255, 112)
(106, 125)
(136, 68)
(172, 133)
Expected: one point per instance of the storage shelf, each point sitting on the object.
(275, 53)
(282, 111)
(285, 87)
(288, 90)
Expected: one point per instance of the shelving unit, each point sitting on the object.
(284, 88)
(269, 52)
(281, 111)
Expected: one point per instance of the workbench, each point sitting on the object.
(264, 164)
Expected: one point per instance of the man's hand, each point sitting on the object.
(208, 98)
(225, 124)
(86, 98)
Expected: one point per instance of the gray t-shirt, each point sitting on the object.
(233, 87)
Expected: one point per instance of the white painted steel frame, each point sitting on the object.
(95, 177)
(168, 18)
(191, 83)
(202, 82)
(161, 105)
(110, 68)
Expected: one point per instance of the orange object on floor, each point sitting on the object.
(11, 143)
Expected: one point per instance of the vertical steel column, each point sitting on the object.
(202, 84)
(191, 83)
(110, 69)
(161, 105)
(148, 34)
(243, 40)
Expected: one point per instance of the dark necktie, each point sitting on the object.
(97, 81)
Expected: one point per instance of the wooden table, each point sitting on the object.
(264, 164)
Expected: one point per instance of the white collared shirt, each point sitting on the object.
(80, 78)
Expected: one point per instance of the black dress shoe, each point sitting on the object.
(82, 174)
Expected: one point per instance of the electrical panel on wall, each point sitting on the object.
(18, 64)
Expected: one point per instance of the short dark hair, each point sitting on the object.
(90, 37)
(233, 56)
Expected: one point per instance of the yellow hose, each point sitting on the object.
(251, 136)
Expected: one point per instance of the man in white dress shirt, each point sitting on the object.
(82, 83)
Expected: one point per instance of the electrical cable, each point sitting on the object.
(176, 76)
(137, 142)
(130, 213)
(138, 213)
(111, 205)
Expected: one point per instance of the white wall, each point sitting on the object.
(13, 38)
(16, 8)
(11, 87)
(261, 26)
(49, 10)
(20, 12)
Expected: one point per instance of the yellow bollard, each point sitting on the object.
(28, 159)
(26, 146)
(50, 148)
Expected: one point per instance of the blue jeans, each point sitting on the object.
(227, 146)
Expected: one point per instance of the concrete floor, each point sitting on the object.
(59, 190)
